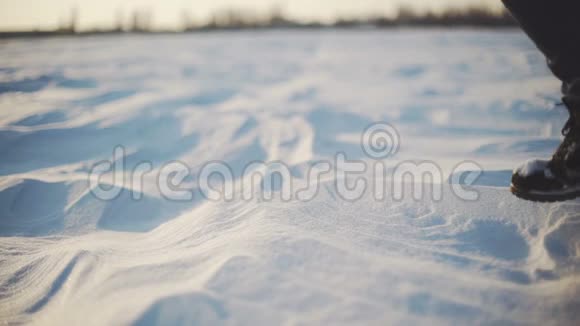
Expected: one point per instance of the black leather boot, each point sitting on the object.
(559, 178)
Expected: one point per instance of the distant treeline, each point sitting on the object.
(142, 22)
(471, 17)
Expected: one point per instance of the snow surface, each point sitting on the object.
(67, 257)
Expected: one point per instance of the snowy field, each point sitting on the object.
(69, 257)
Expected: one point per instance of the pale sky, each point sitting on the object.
(24, 14)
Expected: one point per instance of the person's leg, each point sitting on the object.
(571, 60)
(554, 27)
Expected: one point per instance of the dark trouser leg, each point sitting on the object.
(554, 26)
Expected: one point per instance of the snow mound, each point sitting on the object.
(326, 261)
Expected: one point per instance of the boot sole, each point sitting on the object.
(546, 197)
